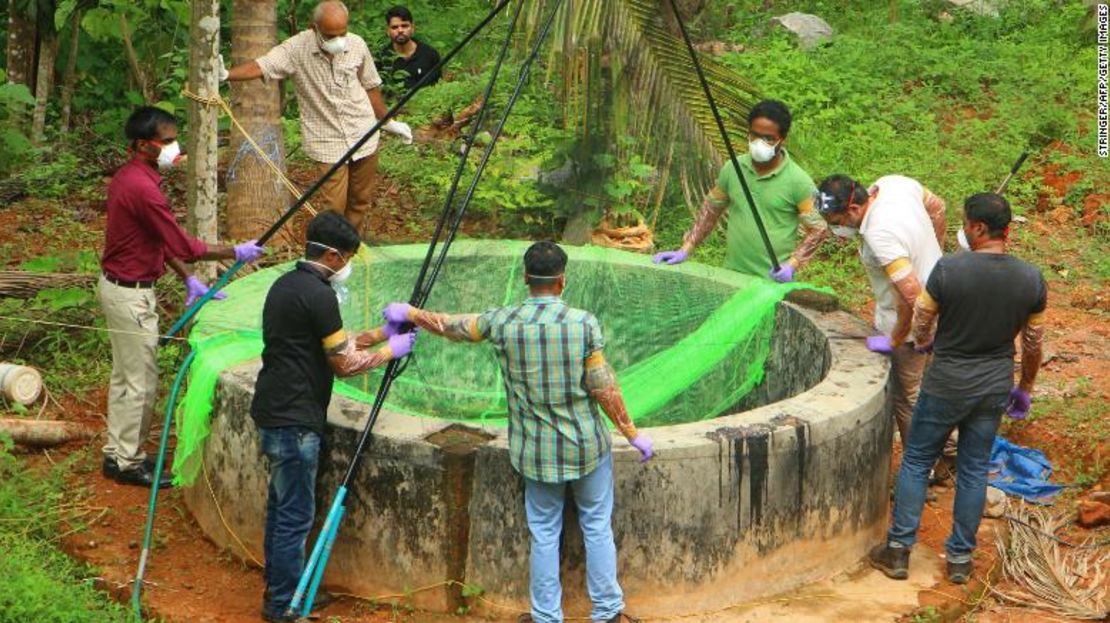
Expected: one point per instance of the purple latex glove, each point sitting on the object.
(879, 344)
(397, 312)
(643, 443)
(670, 258)
(401, 345)
(390, 329)
(1020, 403)
(248, 252)
(194, 289)
(785, 273)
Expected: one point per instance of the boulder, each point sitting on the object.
(986, 8)
(996, 503)
(810, 29)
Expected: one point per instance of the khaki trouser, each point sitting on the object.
(350, 191)
(132, 316)
(908, 366)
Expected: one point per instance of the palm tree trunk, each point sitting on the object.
(20, 52)
(204, 48)
(44, 84)
(70, 78)
(70, 75)
(255, 196)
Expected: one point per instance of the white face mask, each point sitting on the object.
(335, 45)
(343, 275)
(961, 239)
(843, 231)
(168, 156)
(337, 276)
(762, 151)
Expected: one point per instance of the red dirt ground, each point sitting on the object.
(192, 580)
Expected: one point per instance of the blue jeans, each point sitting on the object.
(543, 503)
(977, 419)
(294, 452)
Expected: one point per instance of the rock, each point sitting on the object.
(1093, 514)
(1102, 497)
(985, 8)
(996, 503)
(810, 29)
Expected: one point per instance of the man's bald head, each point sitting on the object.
(330, 18)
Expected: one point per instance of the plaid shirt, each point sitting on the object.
(555, 429)
(331, 92)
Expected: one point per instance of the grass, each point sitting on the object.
(41, 583)
(949, 104)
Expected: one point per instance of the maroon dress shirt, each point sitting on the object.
(142, 230)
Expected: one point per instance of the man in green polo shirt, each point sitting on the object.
(556, 383)
(783, 194)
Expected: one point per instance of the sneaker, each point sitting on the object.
(142, 476)
(273, 617)
(894, 562)
(959, 572)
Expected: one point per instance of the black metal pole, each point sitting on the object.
(220, 283)
(724, 135)
(424, 291)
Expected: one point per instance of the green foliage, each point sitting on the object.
(15, 103)
(71, 360)
(40, 582)
(950, 104)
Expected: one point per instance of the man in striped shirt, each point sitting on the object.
(556, 378)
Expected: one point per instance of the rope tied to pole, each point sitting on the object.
(218, 101)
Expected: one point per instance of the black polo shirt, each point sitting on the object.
(399, 75)
(299, 320)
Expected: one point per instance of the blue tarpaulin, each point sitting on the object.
(1022, 471)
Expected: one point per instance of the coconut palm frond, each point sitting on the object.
(661, 101)
(1067, 580)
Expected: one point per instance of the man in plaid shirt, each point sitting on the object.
(556, 378)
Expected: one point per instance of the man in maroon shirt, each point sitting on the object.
(142, 238)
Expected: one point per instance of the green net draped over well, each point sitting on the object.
(687, 342)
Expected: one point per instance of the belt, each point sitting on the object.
(123, 283)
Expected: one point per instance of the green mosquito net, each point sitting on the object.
(688, 342)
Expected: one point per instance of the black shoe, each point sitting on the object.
(623, 618)
(894, 562)
(110, 468)
(143, 476)
(959, 572)
(279, 618)
(323, 600)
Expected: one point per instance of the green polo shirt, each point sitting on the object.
(778, 196)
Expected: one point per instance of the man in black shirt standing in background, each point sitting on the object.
(406, 59)
(304, 348)
(983, 299)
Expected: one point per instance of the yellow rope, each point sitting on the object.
(223, 520)
(90, 328)
(220, 102)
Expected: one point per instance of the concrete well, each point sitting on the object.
(789, 488)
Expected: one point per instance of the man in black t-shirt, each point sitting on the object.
(304, 348)
(405, 59)
(983, 298)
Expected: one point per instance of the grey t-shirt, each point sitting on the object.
(985, 300)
